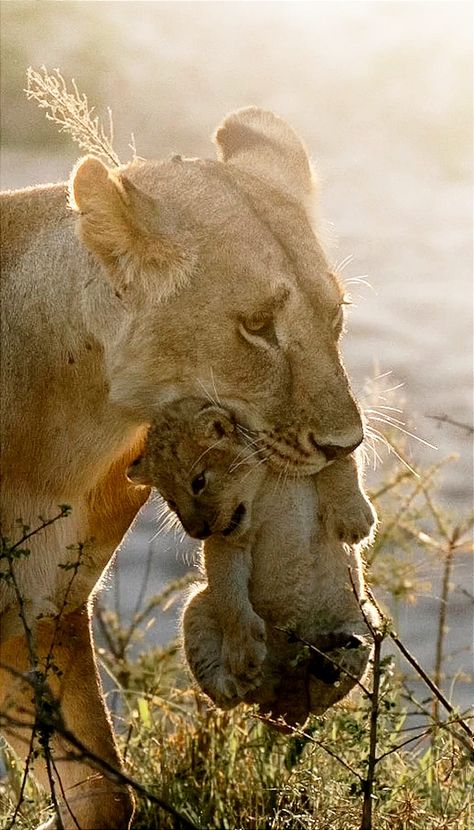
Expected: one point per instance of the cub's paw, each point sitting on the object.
(353, 521)
(244, 650)
(228, 691)
(225, 691)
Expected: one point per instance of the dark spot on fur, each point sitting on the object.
(70, 358)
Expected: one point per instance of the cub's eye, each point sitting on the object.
(172, 505)
(198, 483)
(260, 328)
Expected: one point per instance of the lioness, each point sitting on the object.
(124, 290)
(271, 561)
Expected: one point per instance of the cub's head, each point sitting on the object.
(207, 473)
(219, 284)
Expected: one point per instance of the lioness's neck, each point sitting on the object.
(61, 313)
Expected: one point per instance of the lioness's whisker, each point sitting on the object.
(385, 416)
(370, 445)
(345, 261)
(378, 436)
(214, 386)
(207, 393)
(392, 408)
(394, 388)
(382, 418)
(361, 280)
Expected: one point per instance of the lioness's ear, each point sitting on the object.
(214, 423)
(260, 142)
(120, 225)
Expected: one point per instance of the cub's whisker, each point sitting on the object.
(245, 460)
(254, 467)
(208, 449)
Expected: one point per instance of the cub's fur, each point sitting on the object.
(122, 291)
(270, 563)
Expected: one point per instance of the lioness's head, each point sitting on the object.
(204, 468)
(224, 289)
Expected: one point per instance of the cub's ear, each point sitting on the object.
(120, 225)
(137, 472)
(214, 423)
(261, 143)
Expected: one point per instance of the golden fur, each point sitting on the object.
(159, 280)
(271, 562)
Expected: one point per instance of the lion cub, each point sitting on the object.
(275, 560)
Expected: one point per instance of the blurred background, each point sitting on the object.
(381, 92)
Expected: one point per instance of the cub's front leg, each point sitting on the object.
(343, 506)
(228, 570)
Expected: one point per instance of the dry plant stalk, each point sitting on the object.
(71, 112)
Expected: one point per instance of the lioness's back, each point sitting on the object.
(25, 216)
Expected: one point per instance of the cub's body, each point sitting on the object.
(278, 574)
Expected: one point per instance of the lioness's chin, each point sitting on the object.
(294, 468)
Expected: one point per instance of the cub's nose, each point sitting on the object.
(198, 529)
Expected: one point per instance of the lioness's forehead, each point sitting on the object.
(243, 227)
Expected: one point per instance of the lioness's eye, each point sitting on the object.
(338, 319)
(262, 328)
(198, 483)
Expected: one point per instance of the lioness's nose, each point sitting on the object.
(333, 451)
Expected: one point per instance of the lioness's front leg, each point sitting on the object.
(228, 569)
(343, 507)
(87, 798)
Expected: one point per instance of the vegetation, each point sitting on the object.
(401, 749)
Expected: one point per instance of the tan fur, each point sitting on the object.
(165, 279)
(273, 559)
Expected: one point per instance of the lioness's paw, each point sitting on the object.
(353, 521)
(244, 650)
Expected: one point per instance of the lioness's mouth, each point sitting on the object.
(236, 519)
